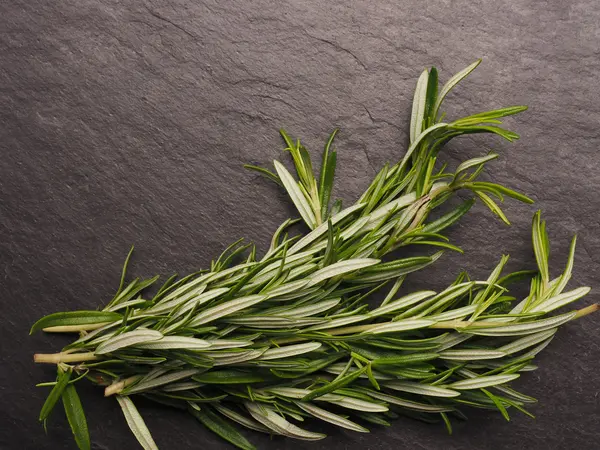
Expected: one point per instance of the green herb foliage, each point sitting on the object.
(275, 340)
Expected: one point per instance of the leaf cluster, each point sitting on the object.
(265, 343)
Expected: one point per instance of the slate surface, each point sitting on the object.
(128, 123)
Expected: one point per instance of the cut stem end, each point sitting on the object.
(63, 357)
(117, 387)
(587, 310)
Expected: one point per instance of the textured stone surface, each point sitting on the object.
(129, 122)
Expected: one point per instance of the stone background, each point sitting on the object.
(128, 123)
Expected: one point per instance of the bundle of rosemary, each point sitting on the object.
(267, 342)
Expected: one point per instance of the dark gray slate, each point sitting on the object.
(128, 123)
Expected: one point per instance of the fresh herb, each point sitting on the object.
(274, 340)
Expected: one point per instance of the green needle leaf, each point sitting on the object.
(327, 175)
(341, 268)
(76, 417)
(474, 162)
(457, 78)
(418, 108)
(123, 273)
(498, 402)
(128, 339)
(492, 206)
(420, 389)
(560, 300)
(517, 329)
(75, 318)
(402, 302)
(336, 384)
(409, 404)
(241, 419)
(228, 377)
(449, 219)
(327, 416)
(493, 187)
(175, 342)
(296, 195)
(62, 380)
(289, 351)
(269, 418)
(265, 173)
(431, 97)
(225, 309)
(471, 355)
(136, 423)
(406, 360)
(399, 326)
(483, 382)
(527, 341)
(220, 427)
(322, 229)
(151, 383)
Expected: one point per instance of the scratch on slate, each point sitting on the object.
(124, 44)
(375, 120)
(164, 19)
(270, 97)
(260, 81)
(369, 160)
(338, 47)
(156, 223)
(364, 150)
(588, 253)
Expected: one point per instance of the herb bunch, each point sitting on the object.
(267, 342)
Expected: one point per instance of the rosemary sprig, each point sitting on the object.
(270, 341)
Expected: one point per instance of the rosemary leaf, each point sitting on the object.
(136, 423)
(74, 318)
(217, 425)
(76, 417)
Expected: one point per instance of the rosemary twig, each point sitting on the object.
(270, 341)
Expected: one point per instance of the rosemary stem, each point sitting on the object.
(449, 324)
(352, 329)
(75, 328)
(587, 310)
(117, 387)
(332, 332)
(63, 357)
(291, 340)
